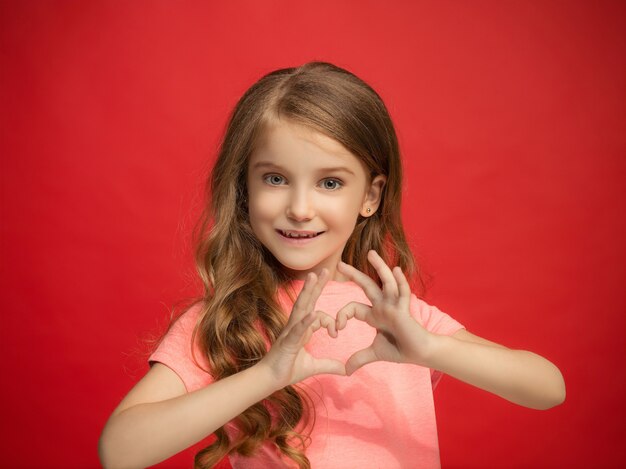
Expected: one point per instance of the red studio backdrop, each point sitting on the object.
(511, 120)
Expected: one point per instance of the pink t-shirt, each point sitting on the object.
(383, 416)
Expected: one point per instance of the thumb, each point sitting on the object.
(359, 359)
(329, 366)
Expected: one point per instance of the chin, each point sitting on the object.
(297, 267)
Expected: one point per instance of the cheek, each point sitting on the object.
(261, 207)
(343, 215)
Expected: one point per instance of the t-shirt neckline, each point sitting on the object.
(331, 285)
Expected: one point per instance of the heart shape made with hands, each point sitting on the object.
(291, 355)
(336, 347)
(393, 334)
(350, 341)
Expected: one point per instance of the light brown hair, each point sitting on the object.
(240, 313)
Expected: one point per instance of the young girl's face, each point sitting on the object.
(305, 193)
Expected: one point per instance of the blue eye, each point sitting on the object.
(273, 179)
(334, 185)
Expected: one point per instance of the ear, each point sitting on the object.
(373, 196)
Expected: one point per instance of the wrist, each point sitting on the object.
(266, 377)
(432, 346)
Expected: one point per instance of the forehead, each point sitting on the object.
(287, 143)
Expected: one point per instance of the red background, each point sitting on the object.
(511, 118)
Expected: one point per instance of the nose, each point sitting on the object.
(300, 207)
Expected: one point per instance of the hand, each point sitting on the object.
(287, 359)
(399, 337)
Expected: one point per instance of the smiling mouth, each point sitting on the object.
(299, 234)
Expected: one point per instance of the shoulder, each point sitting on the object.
(180, 353)
(188, 319)
(432, 318)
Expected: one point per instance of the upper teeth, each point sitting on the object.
(298, 235)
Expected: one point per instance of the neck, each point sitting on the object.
(335, 276)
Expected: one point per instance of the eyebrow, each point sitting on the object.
(268, 164)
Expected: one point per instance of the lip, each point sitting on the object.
(299, 241)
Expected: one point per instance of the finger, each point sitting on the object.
(317, 288)
(307, 297)
(299, 310)
(390, 285)
(359, 359)
(404, 289)
(371, 289)
(300, 333)
(325, 321)
(330, 366)
(353, 309)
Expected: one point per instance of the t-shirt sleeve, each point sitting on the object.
(435, 321)
(175, 351)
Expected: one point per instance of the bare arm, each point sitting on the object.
(519, 376)
(158, 418)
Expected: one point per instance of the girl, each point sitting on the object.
(303, 233)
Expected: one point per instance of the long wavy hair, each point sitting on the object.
(241, 315)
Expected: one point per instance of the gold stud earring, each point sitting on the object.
(369, 210)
